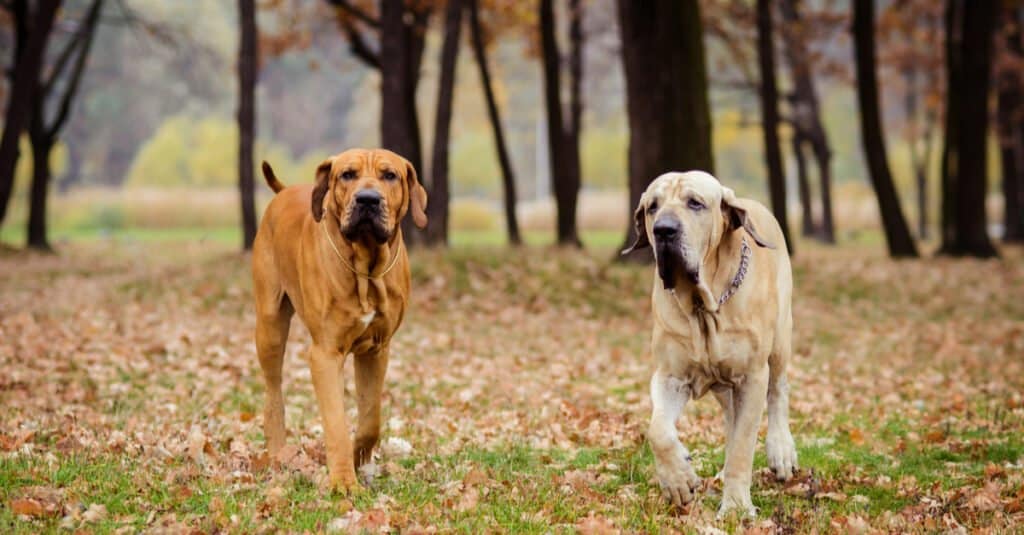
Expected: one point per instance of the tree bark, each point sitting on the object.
(770, 117)
(41, 176)
(897, 234)
(807, 110)
(25, 75)
(565, 178)
(1010, 116)
(803, 185)
(970, 26)
(507, 174)
(437, 208)
(666, 95)
(248, 64)
(402, 33)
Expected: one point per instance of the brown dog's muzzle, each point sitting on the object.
(367, 217)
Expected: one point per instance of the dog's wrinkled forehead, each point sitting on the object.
(676, 185)
(368, 162)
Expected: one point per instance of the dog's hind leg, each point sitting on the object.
(272, 325)
(779, 445)
(725, 399)
(370, 369)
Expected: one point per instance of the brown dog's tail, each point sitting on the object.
(272, 181)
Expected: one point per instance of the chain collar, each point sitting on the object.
(357, 273)
(737, 280)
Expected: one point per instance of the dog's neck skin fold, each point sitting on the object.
(366, 262)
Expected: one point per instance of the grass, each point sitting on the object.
(128, 380)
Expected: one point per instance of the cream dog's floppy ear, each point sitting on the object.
(641, 230)
(323, 175)
(736, 217)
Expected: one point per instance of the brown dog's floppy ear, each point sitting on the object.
(641, 230)
(417, 197)
(736, 217)
(323, 175)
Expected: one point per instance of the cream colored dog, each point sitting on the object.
(722, 322)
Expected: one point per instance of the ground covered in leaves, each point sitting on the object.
(130, 399)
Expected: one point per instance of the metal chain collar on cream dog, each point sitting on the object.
(394, 259)
(737, 280)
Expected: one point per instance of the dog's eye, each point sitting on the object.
(653, 207)
(695, 205)
(389, 175)
(348, 175)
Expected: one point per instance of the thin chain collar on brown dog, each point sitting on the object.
(737, 280)
(394, 259)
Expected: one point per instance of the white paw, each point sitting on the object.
(678, 486)
(781, 452)
(739, 505)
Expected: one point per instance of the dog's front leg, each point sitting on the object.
(671, 459)
(325, 365)
(749, 402)
(370, 369)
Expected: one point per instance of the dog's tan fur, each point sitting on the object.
(739, 351)
(297, 269)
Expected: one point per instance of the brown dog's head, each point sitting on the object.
(685, 216)
(368, 191)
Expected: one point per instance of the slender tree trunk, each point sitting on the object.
(770, 117)
(666, 94)
(402, 33)
(970, 26)
(568, 202)
(248, 63)
(1010, 116)
(437, 208)
(563, 181)
(26, 74)
(918, 157)
(804, 186)
(897, 234)
(507, 174)
(807, 111)
(41, 176)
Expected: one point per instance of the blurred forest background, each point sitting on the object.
(136, 108)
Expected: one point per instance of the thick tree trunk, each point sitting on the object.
(804, 186)
(770, 117)
(666, 94)
(25, 77)
(437, 208)
(248, 63)
(41, 176)
(1010, 117)
(807, 111)
(564, 174)
(897, 234)
(402, 33)
(507, 174)
(970, 25)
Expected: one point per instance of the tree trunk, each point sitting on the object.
(807, 110)
(1010, 123)
(402, 37)
(804, 187)
(507, 174)
(666, 94)
(918, 158)
(970, 25)
(248, 63)
(26, 74)
(437, 208)
(897, 234)
(564, 183)
(770, 117)
(41, 176)
(567, 203)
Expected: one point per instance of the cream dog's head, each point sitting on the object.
(685, 216)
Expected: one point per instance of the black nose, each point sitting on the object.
(368, 197)
(666, 228)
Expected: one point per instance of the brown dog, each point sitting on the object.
(333, 252)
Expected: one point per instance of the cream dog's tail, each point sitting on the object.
(272, 181)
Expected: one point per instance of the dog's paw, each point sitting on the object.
(781, 452)
(736, 505)
(679, 487)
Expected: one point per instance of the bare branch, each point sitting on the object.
(76, 75)
(358, 45)
(356, 12)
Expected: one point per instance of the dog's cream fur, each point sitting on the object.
(738, 351)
